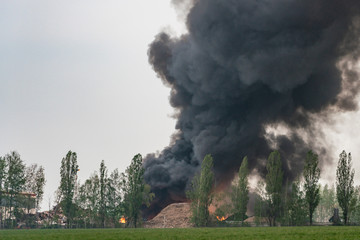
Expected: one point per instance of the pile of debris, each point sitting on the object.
(176, 215)
(52, 218)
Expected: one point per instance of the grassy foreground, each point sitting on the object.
(189, 233)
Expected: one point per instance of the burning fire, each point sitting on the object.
(220, 218)
(122, 220)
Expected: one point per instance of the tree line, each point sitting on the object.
(101, 201)
(105, 197)
(16, 182)
(113, 199)
(278, 201)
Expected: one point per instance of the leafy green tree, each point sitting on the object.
(311, 175)
(79, 216)
(40, 182)
(35, 182)
(15, 180)
(89, 199)
(135, 192)
(114, 196)
(345, 183)
(273, 187)
(201, 193)
(81, 203)
(2, 187)
(240, 192)
(30, 172)
(103, 185)
(68, 173)
(297, 205)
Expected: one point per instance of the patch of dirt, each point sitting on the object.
(176, 215)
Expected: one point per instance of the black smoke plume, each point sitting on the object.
(245, 65)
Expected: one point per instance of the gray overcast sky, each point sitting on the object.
(74, 76)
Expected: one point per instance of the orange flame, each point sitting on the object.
(122, 220)
(220, 218)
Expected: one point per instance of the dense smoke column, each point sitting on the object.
(245, 65)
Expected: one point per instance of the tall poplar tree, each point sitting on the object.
(2, 186)
(273, 187)
(103, 188)
(201, 193)
(345, 184)
(40, 182)
(240, 192)
(68, 173)
(15, 180)
(311, 175)
(136, 192)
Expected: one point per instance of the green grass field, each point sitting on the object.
(252, 233)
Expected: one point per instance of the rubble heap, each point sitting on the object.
(177, 215)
